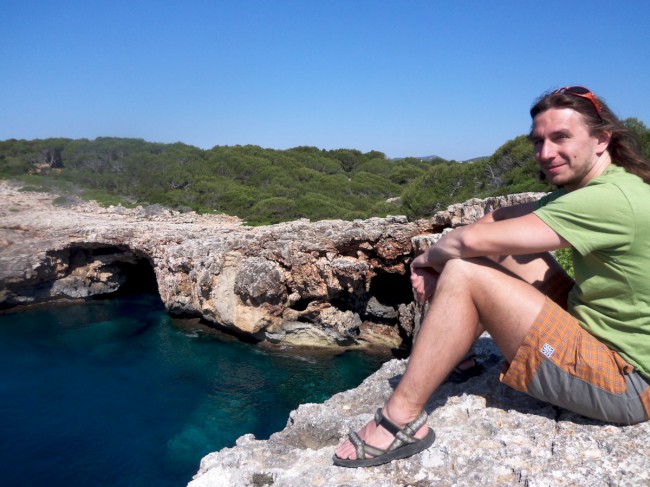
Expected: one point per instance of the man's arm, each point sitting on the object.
(508, 212)
(517, 235)
(503, 232)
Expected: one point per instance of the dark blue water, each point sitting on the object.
(116, 393)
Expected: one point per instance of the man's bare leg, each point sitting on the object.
(471, 295)
(535, 269)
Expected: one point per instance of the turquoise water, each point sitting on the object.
(115, 392)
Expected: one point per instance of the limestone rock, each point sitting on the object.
(473, 209)
(330, 283)
(327, 283)
(486, 434)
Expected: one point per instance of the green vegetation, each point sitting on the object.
(265, 186)
(512, 169)
(564, 258)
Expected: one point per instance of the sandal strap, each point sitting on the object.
(358, 443)
(362, 448)
(470, 356)
(402, 435)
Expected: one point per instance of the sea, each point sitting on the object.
(115, 392)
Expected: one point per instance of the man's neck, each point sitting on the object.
(601, 165)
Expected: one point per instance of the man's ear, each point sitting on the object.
(604, 137)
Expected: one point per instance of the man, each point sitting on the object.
(584, 346)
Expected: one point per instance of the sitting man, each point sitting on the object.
(584, 346)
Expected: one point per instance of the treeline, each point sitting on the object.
(265, 186)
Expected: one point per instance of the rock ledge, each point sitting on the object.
(487, 434)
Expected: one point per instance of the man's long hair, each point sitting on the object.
(623, 147)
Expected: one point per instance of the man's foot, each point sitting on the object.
(376, 438)
(465, 370)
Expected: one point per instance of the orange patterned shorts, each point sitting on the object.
(561, 363)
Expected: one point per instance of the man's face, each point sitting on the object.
(564, 149)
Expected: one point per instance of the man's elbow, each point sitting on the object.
(469, 242)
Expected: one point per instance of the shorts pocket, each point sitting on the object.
(600, 366)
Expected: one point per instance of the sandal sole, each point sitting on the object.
(397, 454)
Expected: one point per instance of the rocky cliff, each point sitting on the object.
(330, 283)
(487, 434)
(327, 283)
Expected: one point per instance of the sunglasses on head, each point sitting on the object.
(582, 92)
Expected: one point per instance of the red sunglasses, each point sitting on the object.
(582, 92)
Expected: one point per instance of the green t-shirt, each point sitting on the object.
(607, 223)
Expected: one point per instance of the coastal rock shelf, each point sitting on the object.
(486, 434)
(333, 284)
(327, 283)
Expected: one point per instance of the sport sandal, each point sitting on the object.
(458, 375)
(404, 445)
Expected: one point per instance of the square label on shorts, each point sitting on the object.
(547, 350)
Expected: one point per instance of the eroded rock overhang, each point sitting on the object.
(327, 283)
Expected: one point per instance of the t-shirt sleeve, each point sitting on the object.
(546, 199)
(591, 218)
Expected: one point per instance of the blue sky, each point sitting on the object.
(411, 77)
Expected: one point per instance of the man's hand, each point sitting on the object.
(424, 281)
(518, 235)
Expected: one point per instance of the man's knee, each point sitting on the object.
(494, 290)
(471, 269)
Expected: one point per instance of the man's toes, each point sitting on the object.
(345, 451)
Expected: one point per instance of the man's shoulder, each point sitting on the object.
(614, 182)
(621, 182)
(601, 201)
(619, 176)
(615, 187)
(546, 199)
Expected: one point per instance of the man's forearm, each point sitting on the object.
(508, 212)
(526, 234)
(448, 247)
(456, 244)
(452, 245)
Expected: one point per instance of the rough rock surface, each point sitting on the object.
(313, 283)
(487, 434)
(327, 283)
